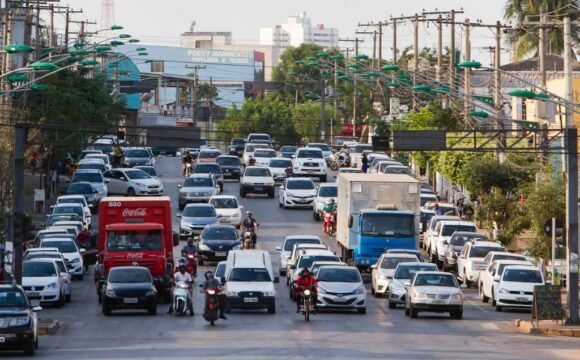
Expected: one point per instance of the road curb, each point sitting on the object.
(48, 327)
(527, 327)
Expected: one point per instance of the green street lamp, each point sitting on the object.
(312, 63)
(43, 66)
(322, 55)
(299, 62)
(18, 48)
(78, 52)
(89, 62)
(38, 87)
(79, 45)
(117, 27)
(528, 94)
(393, 85)
(441, 89)
(391, 67)
(73, 59)
(374, 75)
(134, 41)
(542, 96)
(355, 71)
(311, 58)
(17, 77)
(424, 88)
(480, 114)
(344, 78)
(117, 43)
(103, 48)
(403, 76)
(469, 65)
(353, 66)
(338, 57)
(141, 49)
(361, 57)
(143, 54)
(124, 36)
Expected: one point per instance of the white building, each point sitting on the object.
(297, 31)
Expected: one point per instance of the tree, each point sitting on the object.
(206, 91)
(487, 173)
(307, 120)
(526, 41)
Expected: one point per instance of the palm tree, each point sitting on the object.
(526, 41)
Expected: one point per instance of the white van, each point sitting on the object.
(249, 280)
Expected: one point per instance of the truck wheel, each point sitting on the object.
(130, 192)
(29, 347)
(272, 309)
(323, 178)
(271, 194)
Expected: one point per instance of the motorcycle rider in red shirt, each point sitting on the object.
(305, 281)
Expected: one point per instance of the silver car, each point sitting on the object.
(197, 188)
(341, 288)
(403, 274)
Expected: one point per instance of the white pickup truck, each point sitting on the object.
(471, 260)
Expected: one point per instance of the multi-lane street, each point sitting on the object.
(380, 333)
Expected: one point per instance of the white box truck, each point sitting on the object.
(376, 212)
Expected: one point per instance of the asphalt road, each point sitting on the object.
(380, 334)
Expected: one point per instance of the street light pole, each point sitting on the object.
(323, 110)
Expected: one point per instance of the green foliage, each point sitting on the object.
(452, 165)
(488, 173)
(206, 91)
(430, 117)
(307, 119)
(503, 211)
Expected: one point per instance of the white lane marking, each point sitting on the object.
(386, 324)
(489, 326)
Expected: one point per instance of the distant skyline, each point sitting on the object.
(161, 23)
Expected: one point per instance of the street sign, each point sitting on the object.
(547, 303)
(548, 227)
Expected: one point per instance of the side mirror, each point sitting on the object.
(179, 215)
(37, 308)
(196, 238)
(281, 187)
(35, 303)
(107, 181)
(276, 279)
(496, 278)
(445, 242)
(82, 250)
(292, 267)
(374, 266)
(91, 206)
(407, 284)
(179, 186)
(240, 207)
(278, 248)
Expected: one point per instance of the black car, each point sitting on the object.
(216, 241)
(85, 189)
(231, 166)
(211, 168)
(287, 151)
(129, 288)
(18, 319)
(237, 146)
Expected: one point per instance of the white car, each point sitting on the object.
(133, 182)
(63, 266)
(297, 193)
(257, 180)
(71, 253)
(286, 248)
(278, 167)
(306, 258)
(95, 177)
(341, 288)
(489, 278)
(382, 272)
(71, 227)
(263, 156)
(103, 157)
(325, 192)
(380, 166)
(356, 153)
(73, 208)
(310, 162)
(443, 232)
(297, 251)
(402, 276)
(249, 149)
(41, 281)
(426, 198)
(326, 150)
(502, 255)
(75, 199)
(397, 169)
(470, 262)
(434, 291)
(227, 209)
(431, 226)
(516, 286)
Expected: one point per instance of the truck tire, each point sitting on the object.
(130, 192)
(272, 309)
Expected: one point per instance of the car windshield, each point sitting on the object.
(307, 260)
(289, 245)
(436, 280)
(137, 153)
(220, 271)
(460, 240)
(123, 276)
(54, 218)
(397, 170)
(137, 174)
(406, 272)
(228, 161)
(12, 298)
(416, 253)
(481, 251)
(388, 225)
(70, 201)
(207, 169)
(198, 182)
(105, 148)
(224, 203)
(238, 142)
(103, 157)
(257, 137)
(300, 185)
(209, 154)
(328, 191)
(199, 211)
(341, 140)
(92, 177)
(69, 209)
(38, 269)
(265, 153)
(280, 163)
(93, 166)
(258, 172)
(219, 233)
(288, 149)
(149, 170)
(507, 256)
(311, 154)
(425, 198)
(61, 245)
(501, 267)
(522, 276)
(332, 274)
(322, 147)
(138, 240)
(361, 147)
(42, 255)
(426, 216)
(448, 230)
(250, 275)
(392, 262)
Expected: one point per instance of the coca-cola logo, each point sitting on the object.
(135, 212)
(135, 256)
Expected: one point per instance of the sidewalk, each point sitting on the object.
(32, 182)
(547, 328)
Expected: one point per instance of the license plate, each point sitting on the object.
(224, 221)
(154, 191)
(226, 171)
(311, 171)
(480, 267)
(521, 299)
(251, 300)
(258, 188)
(438, 302)
(33, 294)
(130, 300)
(2, 339)
(221, 254)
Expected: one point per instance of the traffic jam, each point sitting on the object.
(386, 235)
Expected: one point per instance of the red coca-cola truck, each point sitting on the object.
(137, 231)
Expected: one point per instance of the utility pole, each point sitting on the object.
(415, 56)
(51, 26)
(356, 42)
(542, 48)
(18, 200)
(66, 27)
(497, 82)
(452, 54)
(439, 48)
(379, 39)
(467, 72)
(394, 41)
(322, 110)
(374, 34)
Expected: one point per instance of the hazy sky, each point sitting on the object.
(161, 22)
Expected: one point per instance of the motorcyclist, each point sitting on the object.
(187, 159)
(330, 206)
(305, 281)
(189, 249)
(212, 283)
(250, 224)
(252, 161)
(183, 275)
(290, 172)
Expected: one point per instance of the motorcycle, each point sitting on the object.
(329, 223)
(306, 304)
(339, 161)
(211, 305)
(187, 169)
(248, 240)
(180, 296)
(191, 265)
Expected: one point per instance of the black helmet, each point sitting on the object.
(305, 272)
(208, 274)
(190, 242)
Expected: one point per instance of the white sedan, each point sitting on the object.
(326, 191)
(383, 270)
(296, 193)
(227, 209)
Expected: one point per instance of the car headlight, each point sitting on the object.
(151, 292)
(237, 215)
(17, 321)
(110, 293)
(237, 247)
(321, 290)
(396, 286)
(456, 297)
(269, 293)
(76, 260)
(140, 184)
(51, 285)
(360, 290)
(503, 291)
(204, 247)
(231, 293)
(419, 295)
